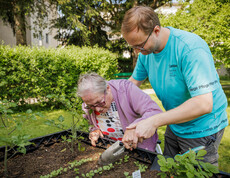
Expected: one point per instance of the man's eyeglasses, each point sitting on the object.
(101, 104)
(142, 48)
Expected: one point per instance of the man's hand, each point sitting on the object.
(143, 130)
(94, 135)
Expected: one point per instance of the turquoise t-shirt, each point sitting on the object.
(184, 69)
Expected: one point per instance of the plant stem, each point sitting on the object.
(72, 130)
(3, 122)
(5, 162)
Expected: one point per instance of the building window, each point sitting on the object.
(47, 38)
(40, 39)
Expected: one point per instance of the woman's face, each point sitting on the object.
(99, 102)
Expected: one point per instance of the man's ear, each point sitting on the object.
(157, 30)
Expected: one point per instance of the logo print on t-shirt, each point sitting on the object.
(172, 70)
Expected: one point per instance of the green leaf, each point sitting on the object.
(212, 168)
(162, 174)
(29, 111)
(9, 111)
(61, 118)
(189, 175)
(171, 161)
(22, 150)
(33, 117)
(190, 167)
(161, 162)
(49, 122)
(201, 153)
(161, 157)
(178, 158)
(164, 169)
(126, 173)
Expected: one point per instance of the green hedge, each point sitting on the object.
(27, 72)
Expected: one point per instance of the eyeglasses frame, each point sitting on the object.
(101, 104)
(142, 48)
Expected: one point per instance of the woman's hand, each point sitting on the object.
(94, 135)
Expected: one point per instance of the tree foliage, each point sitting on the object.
(80, 22)
(210, 19)
(87, 22)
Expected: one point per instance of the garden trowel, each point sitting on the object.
(115, 152)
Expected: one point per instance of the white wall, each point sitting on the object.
(6, 34)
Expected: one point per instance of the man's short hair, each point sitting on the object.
(141, 17)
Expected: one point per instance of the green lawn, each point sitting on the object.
(38, 128)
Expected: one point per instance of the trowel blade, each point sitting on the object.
(115, 152)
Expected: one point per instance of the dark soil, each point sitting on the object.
(47, 159)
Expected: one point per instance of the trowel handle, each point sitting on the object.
(196, 149)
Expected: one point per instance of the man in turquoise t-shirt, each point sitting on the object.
(181, 70)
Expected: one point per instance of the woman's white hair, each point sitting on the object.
(91, 82)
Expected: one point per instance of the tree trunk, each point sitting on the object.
(134, 57)
(20, 26)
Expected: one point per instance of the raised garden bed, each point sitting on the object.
(49, 154)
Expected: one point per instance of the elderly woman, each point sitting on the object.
(111, 106)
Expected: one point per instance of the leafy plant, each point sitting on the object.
(186, 165)
(78, 123)
(10, 124)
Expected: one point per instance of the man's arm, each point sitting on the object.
(136, 82)
(189, 110)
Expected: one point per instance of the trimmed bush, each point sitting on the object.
(27, 72)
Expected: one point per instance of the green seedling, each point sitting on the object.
(126, 158)
(76, 170)
(141, 167)
(99, 170)
(119, 162)
(127, 175)
(71, 166)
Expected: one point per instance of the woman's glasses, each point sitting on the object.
(101, 104)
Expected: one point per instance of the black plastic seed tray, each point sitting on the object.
(47, 140)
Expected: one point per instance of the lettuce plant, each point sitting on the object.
(186, 165)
